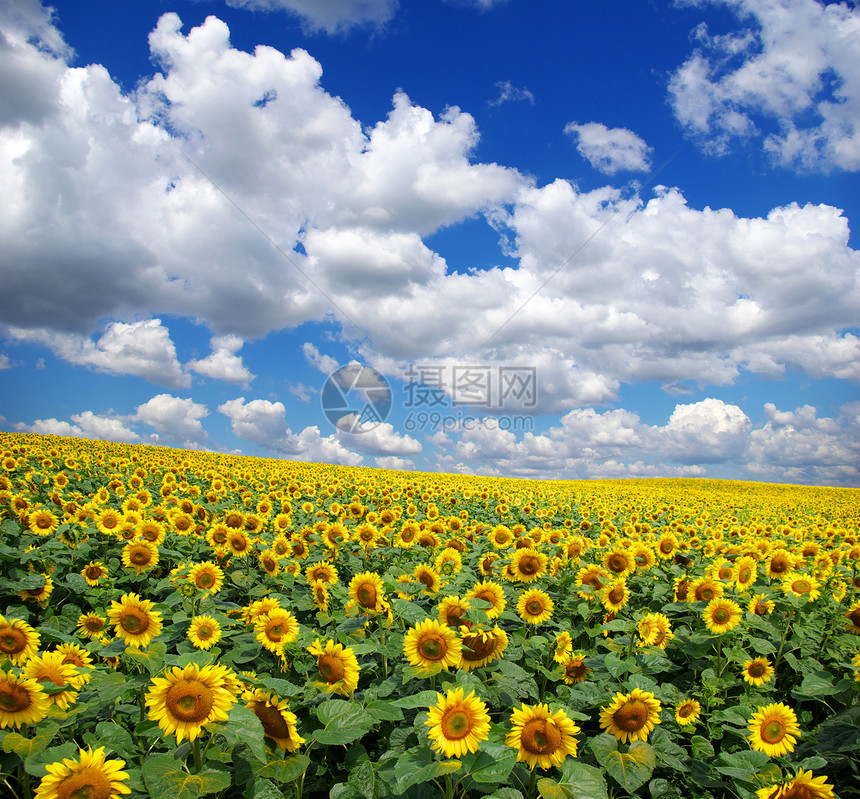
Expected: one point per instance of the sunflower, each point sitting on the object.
(269, 562)
(320, 595)
(276, 629)
(757, 671)
(93, 572)
(92, 625)
(619, 561)
(407, 535)
(780, 563)
(802, 786)
(490, 592)
(451, 610)
(654, 629)
(535, 606)
(481, 648)
(108, 521)
(773, 729)
(365, 591)
(152, 531)
(540, 737)
(139, 556)
(704, 590)
(78, 657)
(501, 537)
(51, 669)
(615, 595)
(667, 546)
(631, 716)
(563, 647)
(206, 576)
(279, 723)
(760, 605)
(745, 572)
(90, 775)
(428, 577)
(22, 700)
(18, 641)
(39, 595)
(321, 573)
(593, 576)
(42, 522)
(256, 610)
(853, 619)
(216, 536)
(204, 632)
(338, 667)
(722, 615)
(238, 543)
(486, 565)
(187, 698)
(575, 670)
(681, 589)
(432, 646)
(801, 585)
(687, 712)
(134, 620)
(458, 723)
(527, 564)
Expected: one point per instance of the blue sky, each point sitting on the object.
(643, 212)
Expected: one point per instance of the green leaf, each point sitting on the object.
(384, 711)
(491, 763)
(262, 789)
(35, 763)
(819, 683)
(701, 748)
(422, 699)
(152, 658)
(505, 793)
(243, 727)
(164, 776)
(578, 781)
(110, 734)
(515, 680)
(26, 747)
(668, 752)
(741, 764)
(283, 771)
(629, 769)
(363, 778)
(343, 722)
(419, 765)
(109, 687)
(841, 733)
(408, 611)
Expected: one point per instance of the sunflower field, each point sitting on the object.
(182, 624)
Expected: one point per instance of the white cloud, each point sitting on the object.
(5, 363)
(609, 150)
(376, 439)
(50, 427)
(789, 77)
(324, 363)
(223, 363)
(177, 419)
(263, 422)
(143, 349)
(507, 92)
(317, 448)
(331, 16)
(394, 463)
(84, 425)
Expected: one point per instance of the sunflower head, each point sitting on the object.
(535, 606)
(337, 666)
(90, 775)
(542, 738)
(687, 712)
(18, 641)
(773, 729)
(279, 723)
(457, 723)
(631, 716)
(22, 700)
(432, 646)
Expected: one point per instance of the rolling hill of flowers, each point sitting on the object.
(183, 624)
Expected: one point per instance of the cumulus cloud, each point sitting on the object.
(788, 78)
(84, 425)
(143, 349)
(325, 363)
(376, 439)
(394, 463)
(223, 363)
(609, 150)
(177, 419)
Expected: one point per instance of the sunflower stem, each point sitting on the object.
(532, 784)
(778, 657)
(198, 759)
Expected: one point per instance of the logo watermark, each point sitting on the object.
(357, 398)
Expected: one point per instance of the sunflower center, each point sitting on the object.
(616, 594)
(534, 607)
(576, 670)
(685, 711)
(273, 722)
(94, 624)
(239, 544)
(456, 724)
(275, 631)
(666, 547)
(800, 586)
(744, 574)
(12, 641)
(190, 701)
(367, 595)
(721, 616)
(540, 737)
(205, 580)
(854, 617)
(204, 632)
(760, 609)
(88, 783)
(134, 621)
(14, 698)
(778, 566)
(617, 564)
(140, 556)
(756, 669)
(331, 668)
(433, 648)
(773, 731)
(94, 572)
(631, 716)
(478, 647)
(426, 579)
(528, 565)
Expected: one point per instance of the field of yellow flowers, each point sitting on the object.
(181, 624)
